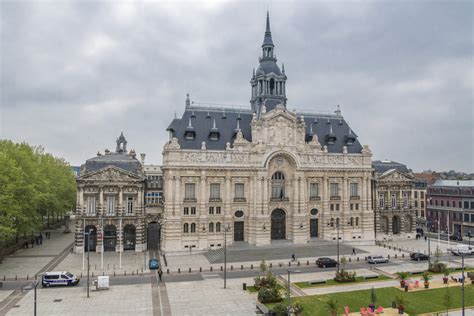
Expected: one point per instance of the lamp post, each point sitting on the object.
(35, 300)
(337, 230)
(288, 293)
(88, 263)
(226, 228)
(429, 249)
(462, 285)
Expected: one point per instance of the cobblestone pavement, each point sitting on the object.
(118, 300)
(208, 297)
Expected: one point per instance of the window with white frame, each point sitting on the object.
(186, 228)
(193, 227)
(189, 191)
(239, 190)
(381, 201)
(218, 209)
(354, 189)
(186, 211)
(313, 190)
(278, 185)
(334, 189)
(394, 200)
(211, 210)
(110, 205)
(215, 191)
(218, 227)
(130, 205)
(91, 205)
(193, 210)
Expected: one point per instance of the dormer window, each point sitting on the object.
(331, 138)
(214, 133)
(350, 138)
(310, 134)
(189, 134)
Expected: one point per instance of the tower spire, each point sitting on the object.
(267, 40)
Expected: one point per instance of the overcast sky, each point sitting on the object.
(76, 74)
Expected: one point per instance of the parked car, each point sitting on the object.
(377, 259)
(455, 237)
(326, 262)
(418, 256)
(459, 250)
(59, 278)
(153, 264)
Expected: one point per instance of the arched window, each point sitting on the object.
(186, 228)
(218, 227)
(332, 222)
(193, 227)
(211, 227)
(278, 185)
(357, 221)
(352, 221)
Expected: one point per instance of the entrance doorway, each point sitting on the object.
(153, 235)
(396, 225)
(92, 238)
(238, 231)
(313, 228)
(129, 237)
(110, 237)
(278, 224)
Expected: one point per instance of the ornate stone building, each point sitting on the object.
(395, 211)
(111, 191)
(264, 173)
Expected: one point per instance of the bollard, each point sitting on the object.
(103, 273)
(271, 265)
(279, 264)
(251, 267)
(307, 262)
(200, 269)
(357, 259)
(167, 271)
(350, 259)
(241, 267)
(211, 269)
(179, 270)
(114, 273)
(189, 270)
(16, 277)
(298, 263)
(124, 273)
(231, 267)
(27, 277)
(221, 268)
(395, 256)
(133, 272)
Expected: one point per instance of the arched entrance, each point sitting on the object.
(384, 224)
(278, 224)
(90, 241)
(153, 235)
(110, 237)
(129, 237)
(408, 224)
(396, 225)
(314, 224)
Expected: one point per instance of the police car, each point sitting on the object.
(59, 278)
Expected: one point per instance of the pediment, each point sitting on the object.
(280, 117)
(395, 175)
(110, 173)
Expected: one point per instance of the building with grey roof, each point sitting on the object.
(265, 172)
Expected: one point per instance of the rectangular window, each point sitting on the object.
(193, 210)
(466, 204)
(211, 210)
(416, 194)
(442, 202)
(422, 204)
(466, 217)
(313, 190)
(405, 200)
(422, 194)
(110, 205)
(215, 191)
(472, 205)
(357, 206)
(189, 191)
(337, 207)
(91, 205)
(332, 207)
(447, 203)
(186, 211)
(352, 207)
(218, 209)
(130, 205)
(354, 189)
(394, 201)
(334, 189)
(381, 201)
(436, 202)
(416, 203)
(460, 204)
(239, 190)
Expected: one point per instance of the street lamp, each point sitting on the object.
(226, 229)
(35, 300)
(290, 310)
(429, 249)
(88, 253)
(462, 288)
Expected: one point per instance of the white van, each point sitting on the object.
(459, 250)
(59, 278)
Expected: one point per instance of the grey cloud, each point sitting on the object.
(75, 74)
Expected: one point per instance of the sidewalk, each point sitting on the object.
(28, 262)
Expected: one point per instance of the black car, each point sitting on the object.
(417, 256)
(326, 262)
(455, 237)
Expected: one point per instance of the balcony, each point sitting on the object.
(315, 198)
(189, 200)
(240, 200)
(335, 198)
(279, 199)
(215, 200)
(354, 197)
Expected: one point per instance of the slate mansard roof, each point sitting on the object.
(120, 160)
(382, 166)
(202, 120)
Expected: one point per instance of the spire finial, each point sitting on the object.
(190, 125)
(268, 34)
(238, 125)
(188, 102)
(214, 124)
(267, 30)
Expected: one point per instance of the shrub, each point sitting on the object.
(280, 309)
(269, 295)
(345, 276)
(267, 281)
(438, 267)
(332, 306)
(297, 308)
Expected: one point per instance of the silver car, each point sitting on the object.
(377, 259)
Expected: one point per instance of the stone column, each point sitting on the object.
(177, 191)
(265, 196)
(202, 199)
(101, 201)
(81, 200)
(120, 201)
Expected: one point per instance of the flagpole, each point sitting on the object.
(439, 232)
(449, 243)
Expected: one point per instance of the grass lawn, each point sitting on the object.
(418, 302)
(332, 282)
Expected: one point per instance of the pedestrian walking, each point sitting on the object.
(25, 244)
(426, 237)
(160, 273)
(40, 238)
(32, 243)
(353, 251)
(293, 257)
